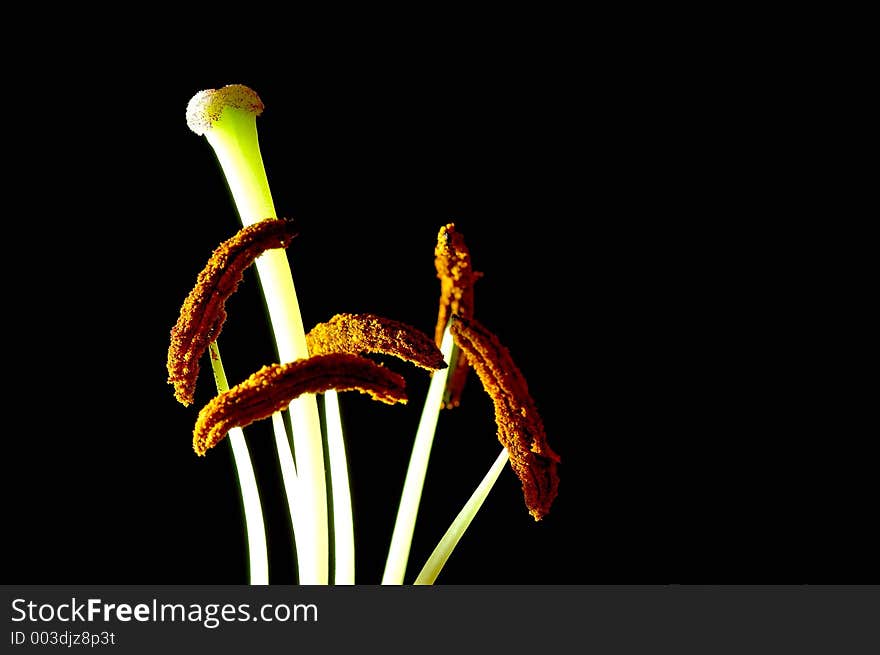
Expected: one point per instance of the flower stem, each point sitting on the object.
(286, 464)
(401, 538)
(450, 539)
(343, 523)
(232, 133)
(258, 556)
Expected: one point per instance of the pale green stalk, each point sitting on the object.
(255, 529)
(285, 463)
(227, 118)
(407, 511)
(343, 522)
(449, 540)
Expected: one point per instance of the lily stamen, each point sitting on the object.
(359, 334)
(271, 389)
(203, 312)
(452, 259)
(520, 428)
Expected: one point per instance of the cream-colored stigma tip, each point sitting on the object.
(205, 107)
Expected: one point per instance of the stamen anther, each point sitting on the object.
(359, 334)
(452, 260)
(520, 428)
(271, 389)
(203, 312)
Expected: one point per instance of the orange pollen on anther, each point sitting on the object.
(203, 312)
(359, 334)
(452, 259)
(520, 428)
(271, 389)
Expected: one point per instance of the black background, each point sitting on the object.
(651, 305)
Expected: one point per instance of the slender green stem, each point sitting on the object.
(258, 556)
(286, 464)
(343, 523)
(401, 538)
(448, 542)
